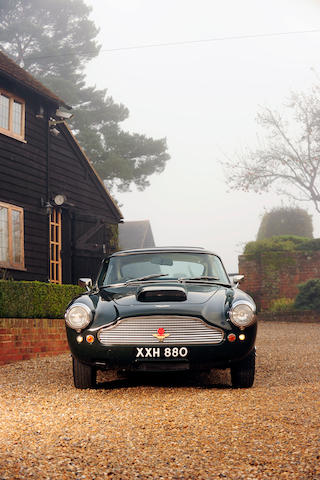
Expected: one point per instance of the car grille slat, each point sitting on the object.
(139, 331)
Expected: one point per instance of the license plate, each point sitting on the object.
(161, 352)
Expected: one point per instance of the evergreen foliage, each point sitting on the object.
(308, 297)
(35, 299)
(286, 221)
(277, 244)
(54, 41)
(309, 245)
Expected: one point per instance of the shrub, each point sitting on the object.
(309, 245)
(308, 297)
(276, 244)
(286, 221)
(282, 305)
(35, 299)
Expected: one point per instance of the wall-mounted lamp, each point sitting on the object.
(64, 115)
(59, 199)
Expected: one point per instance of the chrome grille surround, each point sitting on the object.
(182, 330)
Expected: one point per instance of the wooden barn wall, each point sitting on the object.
(86, 210)
(23, 183)
(71, 175)
(87, 258)
(24, 175)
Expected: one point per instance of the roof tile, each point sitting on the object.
(12, 70)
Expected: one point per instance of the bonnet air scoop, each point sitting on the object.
(161, 294)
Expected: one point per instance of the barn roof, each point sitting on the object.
(13, 72)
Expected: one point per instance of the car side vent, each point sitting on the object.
(162, 294)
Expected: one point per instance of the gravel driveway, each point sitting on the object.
(178, 429)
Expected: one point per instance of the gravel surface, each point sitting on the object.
(176, 428)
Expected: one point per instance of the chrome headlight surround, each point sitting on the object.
(78, 316)
(242, 313)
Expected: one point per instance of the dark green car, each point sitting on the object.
(162, 310)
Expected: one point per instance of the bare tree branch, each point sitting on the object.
(288, 157)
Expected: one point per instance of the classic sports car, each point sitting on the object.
(162, 309)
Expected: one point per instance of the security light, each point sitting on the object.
(64, 115)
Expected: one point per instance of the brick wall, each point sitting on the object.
(300, 317)
(275, 275)
(22, 339)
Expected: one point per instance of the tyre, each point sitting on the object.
(84, 376)
(242, 373)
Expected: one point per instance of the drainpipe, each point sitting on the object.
(48, 144)
(48, 189)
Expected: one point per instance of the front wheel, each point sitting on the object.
(242, 373)
(84, 376)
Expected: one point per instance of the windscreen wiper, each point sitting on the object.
(146, 277)
(205, 279)
(133, 280)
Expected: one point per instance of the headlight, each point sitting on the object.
(242, 314)
(78, 316)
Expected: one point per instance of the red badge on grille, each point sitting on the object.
(161, 334)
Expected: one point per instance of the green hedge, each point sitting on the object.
(35, 299)
(280, 243)
(309, 245)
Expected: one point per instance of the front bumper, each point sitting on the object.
(152, 357)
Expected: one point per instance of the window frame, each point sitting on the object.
(9, 132)
(11, 264)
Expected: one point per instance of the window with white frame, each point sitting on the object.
(11, 236)
(12, 115)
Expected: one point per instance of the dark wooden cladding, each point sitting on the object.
(32, 173)
(72, 175)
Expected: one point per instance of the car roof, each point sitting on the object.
(163, 250)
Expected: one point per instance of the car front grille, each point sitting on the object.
(141, 331)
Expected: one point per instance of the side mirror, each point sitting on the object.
(85, 283)
(236, 279)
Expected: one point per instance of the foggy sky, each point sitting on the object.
(203, 98)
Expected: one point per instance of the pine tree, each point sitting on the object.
(54, 41)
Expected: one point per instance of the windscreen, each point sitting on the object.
(172, 264)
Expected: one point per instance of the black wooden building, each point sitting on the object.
(57, 220)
